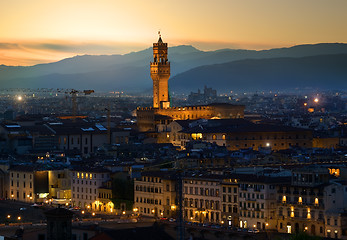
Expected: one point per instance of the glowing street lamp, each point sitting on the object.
(19, 218)
(8, 216)
(316, 100)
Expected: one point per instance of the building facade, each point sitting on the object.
(202, 198)
(85, 183)
(155, 194)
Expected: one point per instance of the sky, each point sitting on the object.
(41, 31)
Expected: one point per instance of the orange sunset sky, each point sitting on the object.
(40, 31)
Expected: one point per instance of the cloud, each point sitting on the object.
(35, 52)
(9, 46)
(85, 47)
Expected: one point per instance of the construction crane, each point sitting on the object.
(73, 93)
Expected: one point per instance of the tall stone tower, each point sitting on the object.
(160, 74)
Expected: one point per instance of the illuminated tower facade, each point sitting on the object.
(160, 74)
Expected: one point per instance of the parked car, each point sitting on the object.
(206, 225)
(253, 230)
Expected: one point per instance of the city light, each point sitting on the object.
(82, 212)
(123, 212)
(19, 98)
(8, 216)
(19, 218)
(93, 213)
(316, 100)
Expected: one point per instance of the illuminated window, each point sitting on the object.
(300, 200)
(291, 211)
(316, 201)
(284, 199)
(82, 175)
(223, 136)
(214, 137)
(78, 175)
(196, 136)
(308, 213)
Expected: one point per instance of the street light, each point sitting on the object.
(19, 218)
(8, 216)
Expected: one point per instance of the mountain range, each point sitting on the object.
(321, 66)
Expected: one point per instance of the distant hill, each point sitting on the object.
(130, 72)
(320, 72)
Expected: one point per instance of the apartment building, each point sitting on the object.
(230, 201)
(257, 201)
(335, 209)
(104, 197)
(155, 194)
(85, 183)
(202, 198)
(36, 183)
(301, 203)
(22, 181)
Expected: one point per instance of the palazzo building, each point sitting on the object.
(149, 119)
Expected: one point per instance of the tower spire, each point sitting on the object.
(159, 40)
